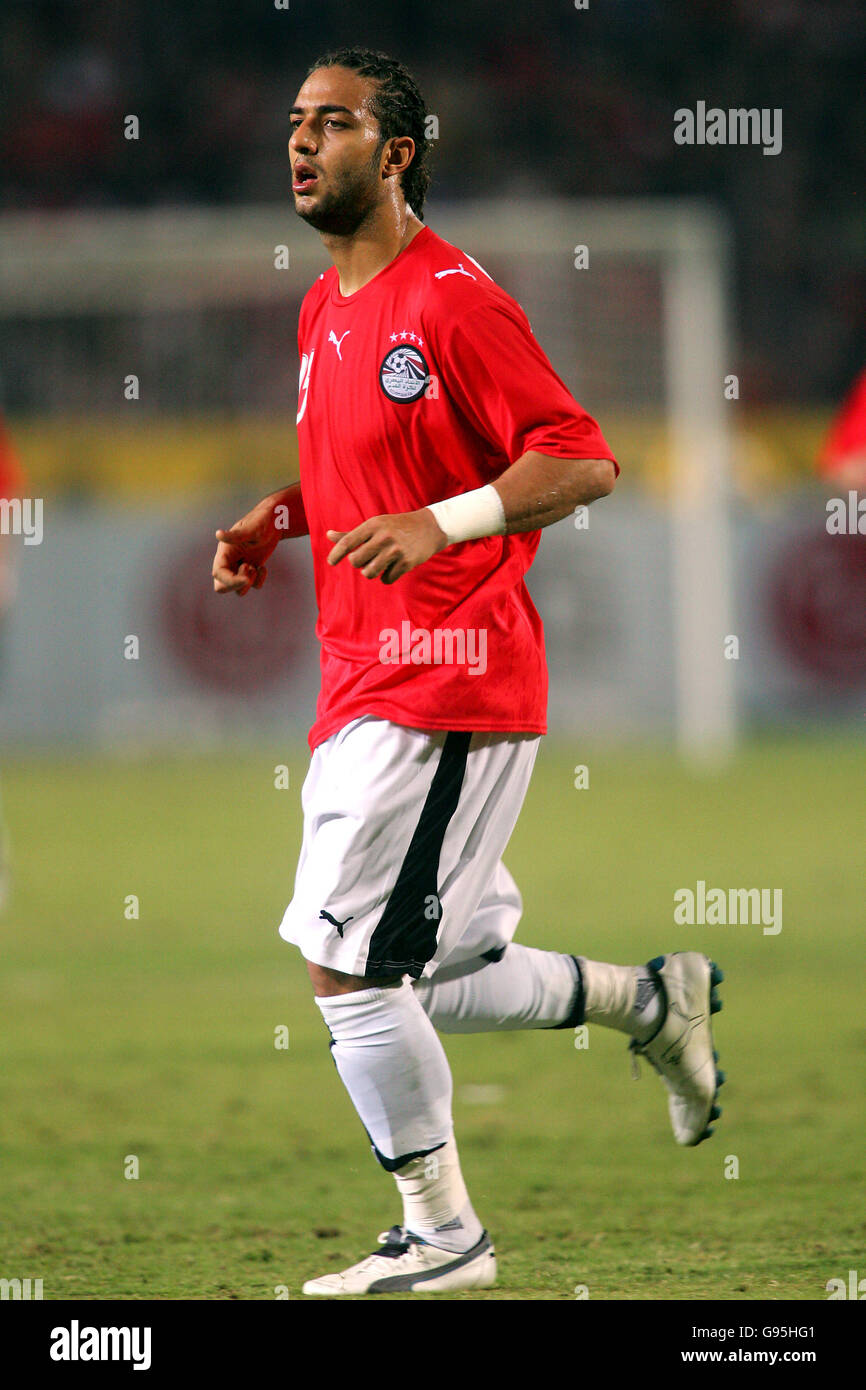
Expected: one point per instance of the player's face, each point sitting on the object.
(335, 151)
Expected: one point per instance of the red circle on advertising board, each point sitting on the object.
(818, 603)
(226, 643)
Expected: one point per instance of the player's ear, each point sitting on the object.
(399, 153)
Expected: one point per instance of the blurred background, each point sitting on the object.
(149, 361)
(705, 304)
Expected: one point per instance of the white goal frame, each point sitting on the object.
(176, 257)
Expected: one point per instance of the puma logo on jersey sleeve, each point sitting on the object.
(455, 270)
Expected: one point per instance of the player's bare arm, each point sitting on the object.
(535, 491)
(538, 490)
(240, 562)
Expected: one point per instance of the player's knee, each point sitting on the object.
(326, 981)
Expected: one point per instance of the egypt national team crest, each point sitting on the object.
(404, 374)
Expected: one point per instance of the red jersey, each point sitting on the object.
(425, 383)
(12, 481)
(845, 445)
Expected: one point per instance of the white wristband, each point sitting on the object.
(470, 515)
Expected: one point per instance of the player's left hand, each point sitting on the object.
(387, 547)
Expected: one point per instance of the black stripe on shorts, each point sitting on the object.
(405, 937)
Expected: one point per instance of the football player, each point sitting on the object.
(436, 441)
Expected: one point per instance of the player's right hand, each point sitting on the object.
(240, 560)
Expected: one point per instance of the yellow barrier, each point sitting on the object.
(186, 459)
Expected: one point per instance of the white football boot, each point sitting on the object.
(681, 1050)
(406, 1264)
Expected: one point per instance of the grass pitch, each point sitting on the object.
(150, 1042)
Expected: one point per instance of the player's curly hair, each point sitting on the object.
(399, 108)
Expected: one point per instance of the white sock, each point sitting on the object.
(526, 988)
(397, 1075)
(435, 1201)
(625, 997)
(394, 1068)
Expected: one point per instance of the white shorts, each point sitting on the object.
(401, 864)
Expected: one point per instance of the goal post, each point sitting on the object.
(688, 243)
(627, 297)
(698, 361)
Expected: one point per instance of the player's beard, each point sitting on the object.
(349, 201)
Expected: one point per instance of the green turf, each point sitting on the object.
(155, 1038)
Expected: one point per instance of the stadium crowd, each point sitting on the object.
(531, 100)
